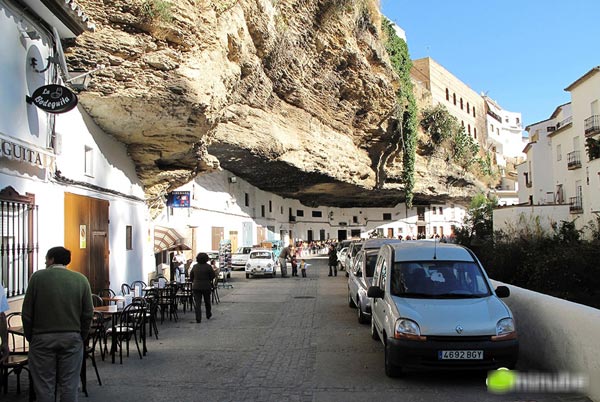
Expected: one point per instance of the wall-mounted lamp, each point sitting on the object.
(233, 179)
(80, 81)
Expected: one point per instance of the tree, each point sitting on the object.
(478, 224)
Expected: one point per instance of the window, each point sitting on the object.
(18, 240)
(89, 161)
(262, 211)
(270, 206)
(300, 212)
(474, 111)
(468, 108)
(317, 214)
(433, 210)
(247, 199)
(454, 98)
(462, 122)
(461, 104)
(281, 210)
(518, 120)
(447, 94)
(492, 128)
(441, 211)
(558, 152)
(387, 217)
(475, 132)
(128, 237)
(469, 126)
(434, 230)
(355, 219)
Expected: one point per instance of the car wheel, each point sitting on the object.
(350, 301)
(247, 276)
(362, 319)
(391, 370)
(374, 334)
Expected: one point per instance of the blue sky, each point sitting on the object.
(522, 53)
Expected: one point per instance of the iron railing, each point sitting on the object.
(574, 160)
(575, 205)
(592, 125)
(18, 245)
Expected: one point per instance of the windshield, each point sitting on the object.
(438, 279)
(371, 260)
(260, 255)
(356, 248)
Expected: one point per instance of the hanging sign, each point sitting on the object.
(53, 98)
(179, 199)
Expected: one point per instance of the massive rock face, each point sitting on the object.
(292, 96)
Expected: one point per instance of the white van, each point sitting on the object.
(433, 306)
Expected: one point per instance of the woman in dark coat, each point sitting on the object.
(333, 260)
(202, 276)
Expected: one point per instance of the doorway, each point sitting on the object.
(86, 219)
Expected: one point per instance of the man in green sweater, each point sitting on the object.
(57, 313)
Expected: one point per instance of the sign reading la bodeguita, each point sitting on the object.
(54, 98)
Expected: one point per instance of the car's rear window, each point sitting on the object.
(260, 255)
(438, 279)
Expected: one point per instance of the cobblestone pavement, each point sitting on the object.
(280, 339)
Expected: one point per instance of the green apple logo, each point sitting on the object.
(501, 381)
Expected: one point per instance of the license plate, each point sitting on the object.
(460, 355)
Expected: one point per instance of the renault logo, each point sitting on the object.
(459, 329)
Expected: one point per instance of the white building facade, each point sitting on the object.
(63, 182)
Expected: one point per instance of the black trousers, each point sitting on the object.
(198, 295)
(294, 270)
(303, 272)
(334, 269)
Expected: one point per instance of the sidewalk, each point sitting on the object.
(276, 340)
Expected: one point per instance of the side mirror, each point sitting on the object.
(375, 292)
(502, 291)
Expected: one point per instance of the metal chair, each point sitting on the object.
(97, 333)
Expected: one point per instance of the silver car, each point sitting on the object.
(359, 280)
(433, 306)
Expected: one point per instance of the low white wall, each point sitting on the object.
(557, 335)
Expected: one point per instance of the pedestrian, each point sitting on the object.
(3, 325)
(202, 276)
(294, 263)
(333, 260)
(303, 266)
(283, 257)
(57, 313)
(179, 265)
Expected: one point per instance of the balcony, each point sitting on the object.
(292, 219)
(575, 205)
(574, 160)
(592, 125)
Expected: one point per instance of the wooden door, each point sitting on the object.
(86, 235)
(233, 236)
(216, 237)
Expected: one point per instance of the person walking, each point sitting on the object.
(202, 276)
(285, 254)
(57, 314)
(333, 260)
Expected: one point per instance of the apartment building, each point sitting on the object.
(562, 169)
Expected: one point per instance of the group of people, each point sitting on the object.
(287, 254)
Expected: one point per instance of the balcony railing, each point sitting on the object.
(574, 160)
(592, 125)
(564, 122)
(575, 205)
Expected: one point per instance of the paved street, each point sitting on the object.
(278, 339)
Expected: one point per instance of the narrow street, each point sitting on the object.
(280, 339)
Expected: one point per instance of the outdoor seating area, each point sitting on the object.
(123, 326)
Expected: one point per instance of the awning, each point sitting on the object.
(169, 239)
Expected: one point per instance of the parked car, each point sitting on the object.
(359, 280)
(341, 255)
(353, 249)
(240, 257)
(361, 274)
(433, 305)
(261, 262)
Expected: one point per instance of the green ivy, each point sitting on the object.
(406, 113)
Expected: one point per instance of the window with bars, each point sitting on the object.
(19, 242)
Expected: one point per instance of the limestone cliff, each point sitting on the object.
(292, 96)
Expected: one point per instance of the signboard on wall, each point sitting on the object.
(82, 236)
(53, 98)
(179, 199)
